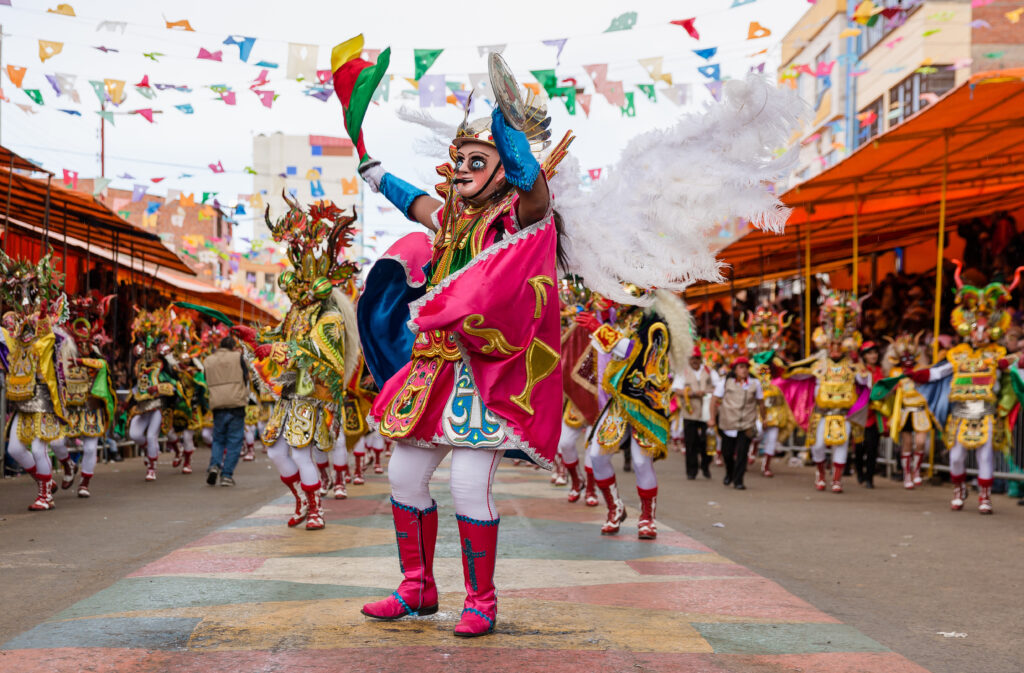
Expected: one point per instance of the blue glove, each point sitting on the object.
(521, 167)
(400, 193)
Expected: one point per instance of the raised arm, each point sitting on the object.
(413, 202)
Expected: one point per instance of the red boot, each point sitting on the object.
(918, 459)
(150, 467)
(44, 492)
(378, 467)
(908, 471)
(301, 507)
(325, 477)
(83, 486)
(186, 463)
(819, 480)
(576, 483)
(766, 469)
(959, 491)
(250, 452)
(175, 446)
(68, 469)
(479, 553)
(340, 477)
(837, 477)
(984, 496)
(590, 496)
(646, 528)
(616, 509)
(315, 517)
(416, 531)
(357, 477)
(559, 476)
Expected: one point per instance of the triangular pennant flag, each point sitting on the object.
(179, 25)
(187, 200)
(485, 49)
(48, 49)
(584, 100)
(570, 101)
(186, 108)
(244, 45)
(107, 115)
(629, 109)
(266, 97)
(423, 59)
(559, 45)
(228, 97)
(432, 91)
(712, 71)
(73, 113)
(648, 90)
(35, 95)
(706, 54)
(99, 185)
(52, 79)
(598, 73)
(138, 191)
(216, 168)
(62, 8)
(594, 174)
(678, 94)
(210, 55)
(71, 178)
(156, 180)
(115, 90)
(152, 207)
(622, 22)
(16, 74)
(715, 88)
(146, 114)
(687, 24)
(653, 67)
(740, 3)
(26, 108)
(210, 195)
(614, 93)
(756, 31)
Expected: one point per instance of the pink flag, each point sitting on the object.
(598, 73)
(210, 55)
(228, 97)
(266, 97)
(688, 25)
(217, 167)
(594, 173)
(71, 178)
(584, 100)
(146, 113)
(614, 93)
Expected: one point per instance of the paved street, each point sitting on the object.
(247, 593)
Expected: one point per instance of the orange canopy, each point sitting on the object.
(81, 219)
(972, 139)
(10, 160)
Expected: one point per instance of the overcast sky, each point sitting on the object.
(185, 144)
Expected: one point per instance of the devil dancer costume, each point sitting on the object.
(462, 332)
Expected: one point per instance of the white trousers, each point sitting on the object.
(145, 429)
(983, 454)
(291, 461)
(643, 465)
(818, 451)
(769, 440)
(472, 477)
(567, 442)
(36, 455)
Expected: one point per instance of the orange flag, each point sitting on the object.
(756, 31)
(179, 25)
(350, 186)
(16, 74)
(187, 199)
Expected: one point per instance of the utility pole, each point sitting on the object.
(103, 140)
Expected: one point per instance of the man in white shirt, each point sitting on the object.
(692, 387)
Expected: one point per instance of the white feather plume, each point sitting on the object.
(653, 220)
(680, 327)
(441, 133)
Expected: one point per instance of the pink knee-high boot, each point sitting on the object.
(479, 553)
(416, 531)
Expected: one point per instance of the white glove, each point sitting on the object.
(372, 173)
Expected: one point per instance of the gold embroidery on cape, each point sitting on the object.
(541, 295)
(496, 341)
(541, 361)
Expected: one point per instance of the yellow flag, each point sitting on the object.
(653, 67)
(49, 49)
(63, 8)
(115, 89)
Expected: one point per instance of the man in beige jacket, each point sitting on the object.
(228, 381)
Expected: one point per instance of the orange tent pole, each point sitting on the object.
(941, 248)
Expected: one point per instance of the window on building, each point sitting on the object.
(905, 98)
(870, 121)
(872, 35)
(269, 280)
(250, 277)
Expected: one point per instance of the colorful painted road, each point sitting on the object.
(257, 596)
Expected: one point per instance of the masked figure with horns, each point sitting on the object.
(765, 341)
(306, 359)
(38, 358)
(983, 383)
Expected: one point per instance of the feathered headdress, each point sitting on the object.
(317, 239)
(88, 313)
